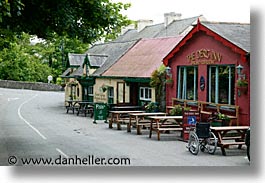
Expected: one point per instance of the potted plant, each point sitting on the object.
(220, 120)
(242, 83)
(152, 107)
(177, 110)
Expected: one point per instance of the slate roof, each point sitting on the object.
(151, 31)
(77, 60)
(236, 33)
(130, 34)
(123, 43)
(95, 60)
(145, 57)
(177, 27)
(66, 73)
(114, 50)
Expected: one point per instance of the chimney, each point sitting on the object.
(125, 29)
(141, 24)
(170, 17)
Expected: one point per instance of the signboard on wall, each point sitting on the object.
(100, 97)
(204, 56)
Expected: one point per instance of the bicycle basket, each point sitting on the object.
(203, 130)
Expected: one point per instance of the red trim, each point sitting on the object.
(209, 32)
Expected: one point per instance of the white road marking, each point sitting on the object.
(11, 99)
(21, 117)
(62, 153)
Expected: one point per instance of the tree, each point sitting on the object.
(86, 20)
(54, 52)
(19, 62)
(158, 79)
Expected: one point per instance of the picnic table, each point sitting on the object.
(119, 117)
(86, 108)
(71, 105)
(138, 120)
(223, 134)
(162, 123)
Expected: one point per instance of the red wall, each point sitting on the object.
(202, 41)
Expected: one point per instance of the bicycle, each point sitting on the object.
(201, 138)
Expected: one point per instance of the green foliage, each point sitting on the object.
(242, 82)
(22, 61)
(68, 26)
(20, 64)
(177, 110)
(157, 78)
(9, 7)
(221, 116)
(152, 107)
(86, 20)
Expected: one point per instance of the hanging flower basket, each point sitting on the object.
(243, 89)
(242, 86)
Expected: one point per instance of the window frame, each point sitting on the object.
(145, 93)
(183, 80)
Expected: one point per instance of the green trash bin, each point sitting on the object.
(100, 112)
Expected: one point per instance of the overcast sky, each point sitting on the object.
(213, 10)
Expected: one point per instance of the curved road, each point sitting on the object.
(34, 125)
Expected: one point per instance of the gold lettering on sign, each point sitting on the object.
(204, 56)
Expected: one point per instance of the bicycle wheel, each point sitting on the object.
(211, 143)
(193, 143)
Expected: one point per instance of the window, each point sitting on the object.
(88, 93)
(145, 93)
(110, 95)
(221, 84)
(187, 83)
(121, 92)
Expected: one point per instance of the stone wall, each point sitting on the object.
(30, 85)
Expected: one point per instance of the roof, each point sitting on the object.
(75, 60)
(233, 35)
(237, 33)
(177, 27)
(117, 48)
(77, 72)
(145, 57)
(66, 72)
(113, 49)
(95, 60)
(130, 34)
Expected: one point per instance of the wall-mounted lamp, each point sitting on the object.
(239, 69)
(168, 71)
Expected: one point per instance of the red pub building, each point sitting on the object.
(210, 67)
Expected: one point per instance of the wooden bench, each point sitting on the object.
(159, 124)
(165, 129)
(139, 120)
(71, 105)
(208, 108)
(224, 140)
(232, 111)
(120, 117)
